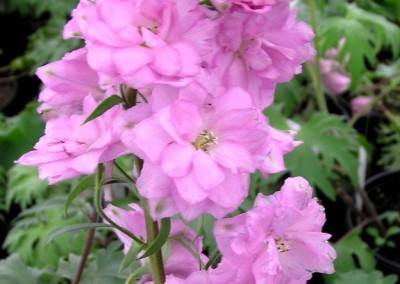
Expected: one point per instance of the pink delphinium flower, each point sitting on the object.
(278, 241)
(167, 197)
(362, 105)
(205, 148)
(180, 262)
(67, 82)
(279, 144)
(143, 42)
(335, 78)
(69, 149)
(256, 51)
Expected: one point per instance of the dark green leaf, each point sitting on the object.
(104, 106)
(72, 228)
(161, 238)
(326, 140)
(29, 232)
(275, 117)
(351, 247)
(24, 186)
(102, 269)
(48, 204)
(83, 185)
(364, 277)
(130, 256)
(14, 271)
(18, 134)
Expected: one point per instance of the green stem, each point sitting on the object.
(99, 209)
(316, 77)
(121, 170)
(156, 260)
(213, 258)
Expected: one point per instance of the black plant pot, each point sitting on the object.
(384, 192)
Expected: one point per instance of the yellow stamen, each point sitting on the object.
(204, 140)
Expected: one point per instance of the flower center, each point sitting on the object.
(204, 140)
(282, 245)
(246, 43)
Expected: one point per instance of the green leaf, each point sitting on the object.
(14, 271)
(83, 185)
(161, 238)
(289, 97)
(393, 230)
(24, 186)
(364, 277)
(209, 239)
(303, 162)
(390, 141)
(102, 267)
(72, 228)
(18, 134)
(352, 246)
(326, 140)
(46, 43)
(365, 34)
(130, 256)
(389, 31)
(104, 106)
(275, 117)
(29, 232)
(46, 205)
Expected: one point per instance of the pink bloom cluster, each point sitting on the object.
(278, 241)
(200, 79)
(205, 76)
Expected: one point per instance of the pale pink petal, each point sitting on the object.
(207, 172)
(177, 160)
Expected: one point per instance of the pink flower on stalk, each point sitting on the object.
(278, 241)
(256, 51)
(335, 78)
(143, 42)
(69, 149)
(180, 262)
(279, 144)
(361, 104)
(67, 82)
(204, 149)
